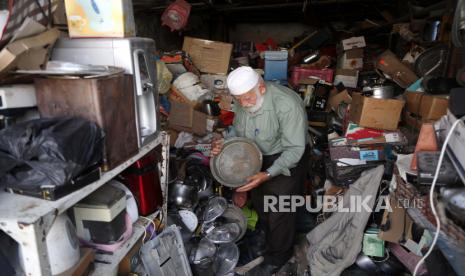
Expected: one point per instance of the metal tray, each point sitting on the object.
(239, 159)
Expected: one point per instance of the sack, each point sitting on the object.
(48, 152)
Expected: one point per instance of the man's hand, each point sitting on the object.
(217, 145)
(254, 181)
(240, 199)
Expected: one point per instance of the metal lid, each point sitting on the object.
(215, 208)
(239, 159)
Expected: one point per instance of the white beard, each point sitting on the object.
(258, 104)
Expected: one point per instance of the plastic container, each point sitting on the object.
(165, 255)
(300, 73)
(276, 65)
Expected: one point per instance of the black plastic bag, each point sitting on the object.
(48, 152)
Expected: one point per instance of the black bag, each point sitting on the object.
(48, 152)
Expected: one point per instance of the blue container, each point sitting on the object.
(276, 66)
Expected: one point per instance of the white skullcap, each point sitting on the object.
(242, 80)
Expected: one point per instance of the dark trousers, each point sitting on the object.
(279, 227)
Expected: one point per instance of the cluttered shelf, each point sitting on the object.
(29, 210)
(106, 264)
(453, 253)
(451, 239)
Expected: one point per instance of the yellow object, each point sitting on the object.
(164, 77)
(100, 18)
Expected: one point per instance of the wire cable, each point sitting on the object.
(431, 197)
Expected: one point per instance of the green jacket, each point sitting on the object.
(279, 126)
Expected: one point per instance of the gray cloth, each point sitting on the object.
(336, 243)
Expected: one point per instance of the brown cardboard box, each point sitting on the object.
(126, 266)
(428, 107)
(348, 77)
(393, 67)
(399, 222)
(27, 53)
(183, 117)
(208, 56)
(176, 96)
(336, 99)
(352, 59)
(375, 113)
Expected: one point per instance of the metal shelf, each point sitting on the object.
(455, 255)
(28, 220)
(107, 264)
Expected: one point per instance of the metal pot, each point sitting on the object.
(183, 196)
(211, 108)
(226, 259)
(235, 214)
(216, 206)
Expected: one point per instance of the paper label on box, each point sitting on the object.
(369, 155)
(353, 42)
(392, 137)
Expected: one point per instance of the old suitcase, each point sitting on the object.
(107, 101)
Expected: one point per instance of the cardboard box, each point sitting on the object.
(414, 121)
(400, 223)
(427, 107)
(130, 262)
(183, 117)
(100, 18)
(338, 98)
(400, 73)
(375, 113)
(208, 56)
(352, 59)
(353, 43)
(28, 53)
(348, 77)
(214, 81)
(176, 96)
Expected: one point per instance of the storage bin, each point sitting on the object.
(301, 73)
(276, 65)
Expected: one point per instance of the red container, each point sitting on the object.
(143, 179)
(301, 73)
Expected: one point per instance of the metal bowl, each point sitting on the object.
(220, 232)
(235, 214)
(226, 259)
(183, 196)
(216, 207)
(239, 159)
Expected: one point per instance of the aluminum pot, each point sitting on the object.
(183, 196)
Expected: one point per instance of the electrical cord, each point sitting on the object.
(458, 25)
(431, 196)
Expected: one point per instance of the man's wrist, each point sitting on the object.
(268, 174)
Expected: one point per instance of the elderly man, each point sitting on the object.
(274, 117)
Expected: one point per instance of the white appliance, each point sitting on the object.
(17, 96)
(100, 217)
(17, 101)
(62, 245)
(135, 55)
